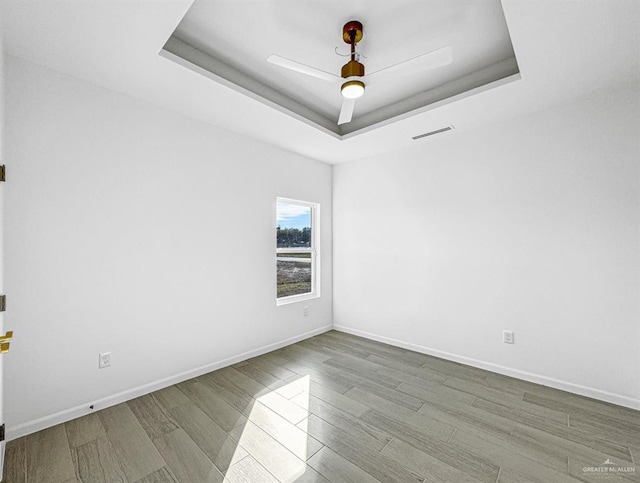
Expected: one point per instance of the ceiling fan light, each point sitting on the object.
(352, 89)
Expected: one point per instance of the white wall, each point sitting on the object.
(531, 225)
(134, 230)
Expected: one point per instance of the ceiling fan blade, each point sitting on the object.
(430, 60)
(301, 68)
(346, 111)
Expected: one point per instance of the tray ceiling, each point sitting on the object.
(230, 41)
(566, 51)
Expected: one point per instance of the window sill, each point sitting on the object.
(296, 298)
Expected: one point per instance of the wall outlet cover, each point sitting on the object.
(104, 360)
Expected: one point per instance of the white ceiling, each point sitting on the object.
(239, 37)
(565, 49)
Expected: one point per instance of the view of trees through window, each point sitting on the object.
(294, 257)
(293, 237)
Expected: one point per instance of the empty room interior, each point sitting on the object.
(320, 241)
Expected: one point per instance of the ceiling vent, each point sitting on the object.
(437, 131)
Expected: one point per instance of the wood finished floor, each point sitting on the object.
(343, 409)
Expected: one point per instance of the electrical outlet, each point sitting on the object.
(305, 310)
(104, 360)
(508, 337)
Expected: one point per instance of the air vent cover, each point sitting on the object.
(437, 131)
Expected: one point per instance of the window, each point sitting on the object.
(297, 253)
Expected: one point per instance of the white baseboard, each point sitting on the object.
(78, 411)
(506, 371)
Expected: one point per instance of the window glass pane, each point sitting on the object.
(294, 225)
(294, 273)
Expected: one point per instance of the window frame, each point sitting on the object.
(314, 250)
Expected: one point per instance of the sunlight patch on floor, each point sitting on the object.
(275, 436)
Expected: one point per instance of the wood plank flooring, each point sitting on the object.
(340, 408)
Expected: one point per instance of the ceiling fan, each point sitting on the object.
(353, 78)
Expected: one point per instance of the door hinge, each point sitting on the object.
(3, 303)
(2, 432)
(2, 172)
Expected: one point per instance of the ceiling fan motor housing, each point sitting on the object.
(352, 68)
